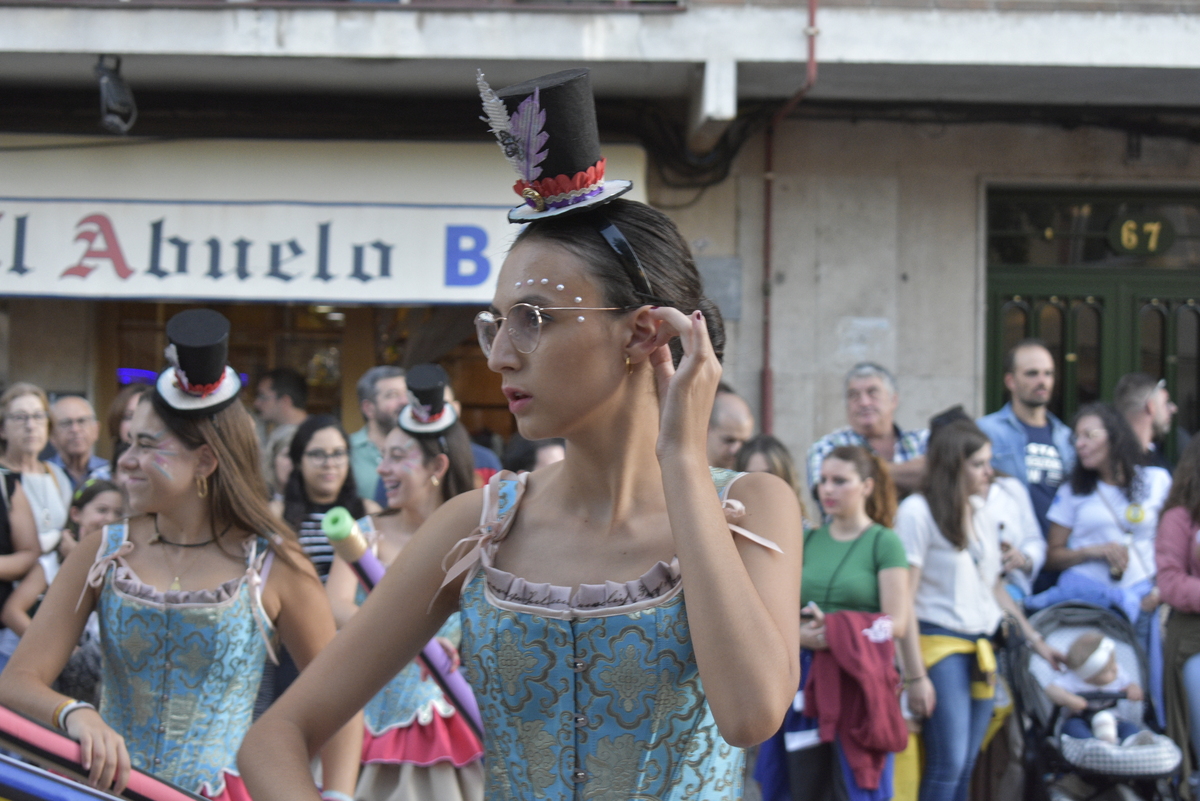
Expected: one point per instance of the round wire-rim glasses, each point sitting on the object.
(524, 324)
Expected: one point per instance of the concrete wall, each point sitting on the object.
(878, 255)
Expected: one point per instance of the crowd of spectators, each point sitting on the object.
(946, 532)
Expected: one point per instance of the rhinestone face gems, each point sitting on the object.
(560, 287)
(580, 318)
(545, 281)
(579, 300)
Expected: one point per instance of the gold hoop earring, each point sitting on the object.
(437, 482)
(628, 365)
(202, 486)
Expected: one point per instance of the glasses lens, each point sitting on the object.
(524, 327)
(485, 329)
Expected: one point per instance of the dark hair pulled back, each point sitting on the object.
(455, 442)
(881, 504)
(664, 255)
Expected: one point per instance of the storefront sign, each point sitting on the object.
(251, 251)
(442, 240)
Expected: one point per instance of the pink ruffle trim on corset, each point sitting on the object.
(441, 740)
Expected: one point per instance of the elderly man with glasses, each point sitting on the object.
(74, 436)
(1146, 404)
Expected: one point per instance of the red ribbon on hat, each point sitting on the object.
(197, 390)
(550, 188)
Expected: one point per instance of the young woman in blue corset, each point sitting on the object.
(622, 637)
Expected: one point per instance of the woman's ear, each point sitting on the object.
(75, 513)
(644, 336)
(439, 465)
(206, 461)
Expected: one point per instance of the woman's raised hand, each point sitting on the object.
(102, 751)
(685, 393)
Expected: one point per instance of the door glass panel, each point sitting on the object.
(1152, 323)
(1087, 352)
(1014, 322)
(1052, 331)
(1187, 369)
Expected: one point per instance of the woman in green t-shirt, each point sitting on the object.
(855, 562)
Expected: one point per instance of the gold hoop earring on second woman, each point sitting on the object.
(202, 486)
(628, 365)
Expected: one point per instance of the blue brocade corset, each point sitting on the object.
(590, 702)
(180, 669)
(408, 698)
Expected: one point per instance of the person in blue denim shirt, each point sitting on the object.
(1028, 441)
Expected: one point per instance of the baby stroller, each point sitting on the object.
(1058, 766)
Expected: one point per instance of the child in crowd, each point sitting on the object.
(94, 505)
(1092, 660)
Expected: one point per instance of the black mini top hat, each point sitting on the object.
(547, 130)
(198, 383)
(427, 411)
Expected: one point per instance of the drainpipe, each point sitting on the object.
(768, 375)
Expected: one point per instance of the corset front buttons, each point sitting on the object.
(580, 721)
(578, 666)
(162, 729)
(579, 776)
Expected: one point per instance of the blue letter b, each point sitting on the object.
(465, 243)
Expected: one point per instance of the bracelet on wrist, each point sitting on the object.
(916, 679)
(64, 711)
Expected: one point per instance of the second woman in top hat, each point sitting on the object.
(623, 639)
(191, 592)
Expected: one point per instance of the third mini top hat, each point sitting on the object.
(427, 411)
(198, 382)
(547, 130)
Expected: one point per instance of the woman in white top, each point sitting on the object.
(1103, 520)
(955, 567)
(26, 412)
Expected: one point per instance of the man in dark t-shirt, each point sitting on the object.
(1028, 442)
(1043, 469)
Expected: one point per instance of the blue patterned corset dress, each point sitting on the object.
(180, 669)
(408, 698)
(591, 696)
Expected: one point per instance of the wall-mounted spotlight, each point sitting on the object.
(118, 112)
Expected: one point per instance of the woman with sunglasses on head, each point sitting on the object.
(1103, 522)
(320, 480)
(620, 636)
(191, 592)
(959, 597)
(416, 745)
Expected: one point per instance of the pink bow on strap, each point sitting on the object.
(95, 576)
(736, 510)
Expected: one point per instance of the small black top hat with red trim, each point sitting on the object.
(427, 411)
(547, 130)
(198, 382)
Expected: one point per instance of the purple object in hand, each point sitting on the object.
(350, 544)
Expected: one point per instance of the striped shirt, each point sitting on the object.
(313, 541)
(909, 445)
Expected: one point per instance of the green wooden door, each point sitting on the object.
(1110, 281)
